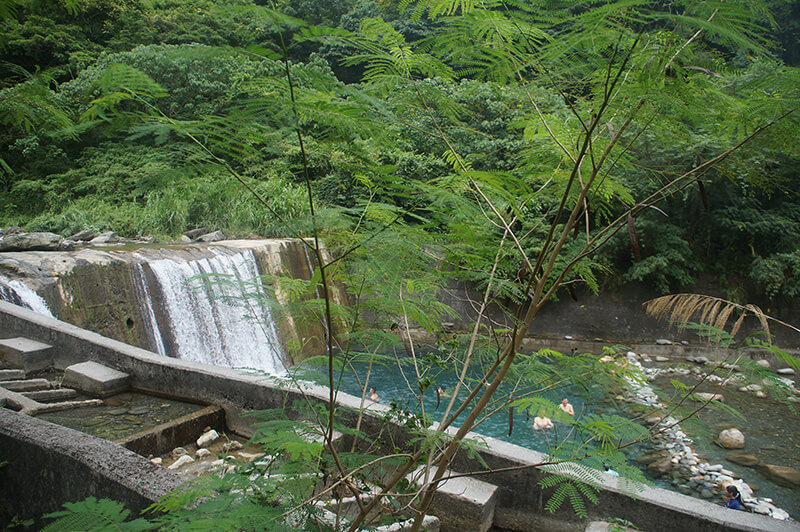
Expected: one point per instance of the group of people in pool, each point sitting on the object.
(542, 422)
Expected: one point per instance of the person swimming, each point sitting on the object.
(566, 407)
(542, 422)
(373, 395)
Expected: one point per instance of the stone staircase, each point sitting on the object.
(29, 385)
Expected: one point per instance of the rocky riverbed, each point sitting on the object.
(672, 456)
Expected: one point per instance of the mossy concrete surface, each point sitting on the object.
(48, 465)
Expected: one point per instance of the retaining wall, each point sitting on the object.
(520, 498)
(48, 465)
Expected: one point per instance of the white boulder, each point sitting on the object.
(731, 439)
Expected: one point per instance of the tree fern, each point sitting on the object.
(92, 515)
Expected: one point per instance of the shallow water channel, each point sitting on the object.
(122, 415)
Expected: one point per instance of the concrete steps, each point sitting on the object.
(95, 379)
(11, 374)
(26, 354)
(27, 385)
(36, 395)
(48, 396)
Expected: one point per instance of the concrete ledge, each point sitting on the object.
(28, 355)
(465, 504)
(95, 379)
(167, 436)
(49, 465)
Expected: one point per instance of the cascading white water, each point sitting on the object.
(218, 321)
(146, 307)
(20, 294)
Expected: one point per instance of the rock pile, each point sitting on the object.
(14, 239)
(674, 458)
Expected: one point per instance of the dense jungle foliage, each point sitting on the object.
(67, 163)
(527, 145)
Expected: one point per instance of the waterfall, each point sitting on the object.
(214, 311)
(146, 307)
(20, 294)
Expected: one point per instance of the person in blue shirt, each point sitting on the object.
(734, 498)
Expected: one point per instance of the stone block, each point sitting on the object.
(465, 503)
(26, 354)
(95, 379)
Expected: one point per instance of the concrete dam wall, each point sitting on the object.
(200, 303)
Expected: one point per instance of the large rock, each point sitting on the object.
(731, 439)
(29, 241)
(109, 237)
(83, 236)
(194, 233)
(783, 475)
(662, 467)
(744, 459)
(216, 236)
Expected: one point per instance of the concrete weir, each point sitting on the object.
(508, 499)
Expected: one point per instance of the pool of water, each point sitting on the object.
(771, 430)
(393, 385)
(121, 415)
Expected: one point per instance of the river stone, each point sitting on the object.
(783, 475)
(216, 236)
(663, 341)
(182, 461)
(83, 236)
(763, 363)
(109, 237)
(731, 439)
(208, 438)
(179, 451)
(710, 396)
(202, 453)
(660, 358)
(706, 493)
(744, 459)
(29, 241)
(194, 233)
(785, 371)
(231, 446)
(139, 410)
(662, 467)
